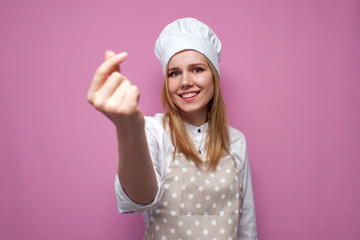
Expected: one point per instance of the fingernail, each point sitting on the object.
(121, 55)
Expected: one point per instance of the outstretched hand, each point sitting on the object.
(113, 94)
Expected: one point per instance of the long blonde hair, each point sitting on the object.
(217, 139)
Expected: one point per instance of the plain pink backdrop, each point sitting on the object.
(290, 77)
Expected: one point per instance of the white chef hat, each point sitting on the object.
(188, 33)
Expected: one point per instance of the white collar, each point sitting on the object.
(196, 130)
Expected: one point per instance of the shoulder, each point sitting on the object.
(154, 129)
(236, 136)
(154, 123)
(238, 146)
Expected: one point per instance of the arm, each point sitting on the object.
(114, 95)
(247, 221)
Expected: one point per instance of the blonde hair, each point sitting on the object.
(217, 139)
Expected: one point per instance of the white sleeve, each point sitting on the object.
(247, 229)
(247, 222)
(154, 134)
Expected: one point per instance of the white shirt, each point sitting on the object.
(161, 151)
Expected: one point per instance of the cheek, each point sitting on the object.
(172, 86)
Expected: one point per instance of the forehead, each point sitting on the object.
(187, 57)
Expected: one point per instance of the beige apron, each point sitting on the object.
(197, 204)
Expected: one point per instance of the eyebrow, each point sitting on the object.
(190, 66)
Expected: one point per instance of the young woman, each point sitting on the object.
(186, 170)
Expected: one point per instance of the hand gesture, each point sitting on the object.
(113, 94)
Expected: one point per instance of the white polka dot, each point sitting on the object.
(212, 175)
(221, 213)
(180, 223)
(157, 227)
(213, 222)
(207, 197)
(229, 221)
(218, 167)
(157, 211)
(191, 196)
(228, 170)
(182, 205)
(229, 204)
(201, 188)
(172, 230)
(172, 213)
(177, 162)
(235, 229)
(237, 195)
(214, 205)
(188, 232)
(183, 187)
(207, 181)
(176, 178)
(163, 238)
(205, 232)
(192, 163)
(236, 212)
(188, 214)
(197, 223)
(174, 195)
(168, 170)
(222, 180)
(222, 196)
(164, 220)
(198, 173)
(183, 169)
(165, 203)
(205, 214)
(166, 186)
(236, 178)
(217, 188)
(198, 205)
(230, 238)
(231, 187)
(192, 179)
(222, 231)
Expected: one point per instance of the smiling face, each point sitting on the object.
(191, 85)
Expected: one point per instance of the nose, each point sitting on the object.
(186, 80)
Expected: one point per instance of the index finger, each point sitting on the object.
(105, 69)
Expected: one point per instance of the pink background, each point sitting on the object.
(290, 76)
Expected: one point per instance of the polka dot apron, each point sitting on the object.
(197, 204)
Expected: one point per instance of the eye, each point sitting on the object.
(173, 74)
(198, 70)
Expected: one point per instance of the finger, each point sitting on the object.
(109, 87)
(106, 68)
(119, 94)
(109, 54)
(131, 99)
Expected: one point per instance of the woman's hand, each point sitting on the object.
(113, 94)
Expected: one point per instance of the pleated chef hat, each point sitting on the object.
(188, 33)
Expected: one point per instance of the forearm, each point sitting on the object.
(135, 169)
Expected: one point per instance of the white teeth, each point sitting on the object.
(188, 95)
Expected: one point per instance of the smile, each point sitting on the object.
(189, 95)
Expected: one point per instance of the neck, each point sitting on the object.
(195, 119)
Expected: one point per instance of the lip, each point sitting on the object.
(189, 98)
